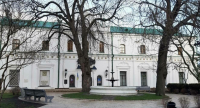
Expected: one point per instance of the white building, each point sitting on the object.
(134, 64)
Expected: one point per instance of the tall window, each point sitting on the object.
(122, 78)
(143, 79)
(45, 45)
(142, 49)
(99, 80)
(122, 48)
(181, 77)
(70, 46)
(101, 47)
(15, 44)
(180, 50)
(14, 78)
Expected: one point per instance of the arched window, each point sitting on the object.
(70, 46)
(142, 49)
(101, 47)
(122, 48)
(99, 80)
(15, 44)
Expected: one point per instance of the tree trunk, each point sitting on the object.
(86, 75)
(162, 65)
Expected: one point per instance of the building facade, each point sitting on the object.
(134, 62)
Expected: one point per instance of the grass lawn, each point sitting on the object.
(82, 96)
(12, 101)
(144, 96)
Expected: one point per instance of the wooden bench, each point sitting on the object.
(37, 93)
(146, 88)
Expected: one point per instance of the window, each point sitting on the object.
(14, 78)
(101, 47)
(180, 50)
(181, 77)
(45, 45)
(99, 80)
(142, 49)
(143, 79)
(122, 48)
(122, 78)
(44, 78)
(70, 46)
(15, 44)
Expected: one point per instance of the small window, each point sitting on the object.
(142, 49)
(45, 45)
(99, 80)
(15, 44)
(101, 47)
(14, 78)
(180, 50)
(122, 48)
(181, 77)
(70, 46)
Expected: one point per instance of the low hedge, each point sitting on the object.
(193, 86)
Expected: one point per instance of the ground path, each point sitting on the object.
(60, 102)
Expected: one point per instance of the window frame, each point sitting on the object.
(101, 47)
(99, 84)
(15, 44)
(181, 80)
(70, 46)
(45, 45)
(17, 75)
(122, 49)
(145, 79)
(180, 50)
(142, 49)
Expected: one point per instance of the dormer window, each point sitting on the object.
(15, 44)
(45, 45)
(101, 47)
(122, 48)
(142, 49)
(70, 46)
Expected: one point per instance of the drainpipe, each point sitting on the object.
(59, 35)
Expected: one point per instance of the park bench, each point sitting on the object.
(37, 93)
(143, 88)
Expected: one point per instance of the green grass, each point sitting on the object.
(82, 96)
(8, 95)
(144, 96)
(7, 105)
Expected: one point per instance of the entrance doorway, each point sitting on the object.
(122, 78)
(72, 81)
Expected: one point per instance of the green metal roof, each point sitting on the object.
(29, 23)
(114, 29)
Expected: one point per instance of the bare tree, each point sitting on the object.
(81, 21)
(18, 40)
(189, 54)
(169, 16)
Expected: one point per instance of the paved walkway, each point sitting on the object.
(60, 102)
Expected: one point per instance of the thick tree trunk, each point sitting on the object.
(86, 75)
(162, 65)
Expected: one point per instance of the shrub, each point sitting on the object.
(15, 91)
